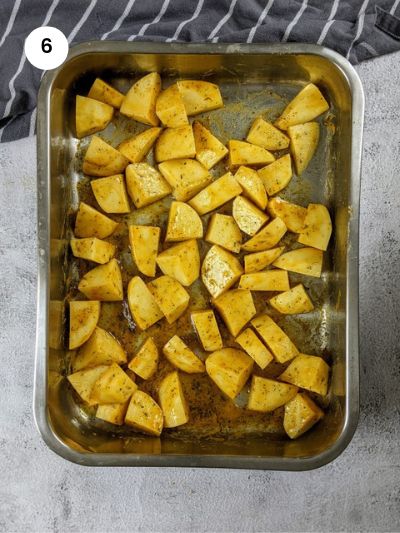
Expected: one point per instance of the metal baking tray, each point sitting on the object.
(253, 79)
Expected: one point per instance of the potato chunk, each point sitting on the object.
(142, 305)
(179, 355)
(266, 238)
(301, 413)
(304, 140)
(84, 381)
(83, 318)
(223, 230)
(236, 308)
(113, 413)
(145, 362)
(103, 92)
(220, 270)
(252, 345)
(170, 108)
(181, 262)
(264, 134)
(243, 153)
(91, 116)
(144, 241)
(136, 148)
(207, 329)
(209, 150)
(252, 186)
(268, 394)
(111, 194)
(183, 223)
(317, 227)
(103, 282)
(170, 296)
(145, 184)
(305, 106)
(172, 400)
(139, 102)
(306, 261)
(101, 159)
(259, 260)
(308, 372)
(91, 223)
(276, 339)
(293, 215)
(277, 175)
(199, 96)
(93, 249)
(113, 386)
(219, 192)
(175, 143)
(293, 301)
(101, 349)
(186, 177)
(144, 414)
(248, 217)
(270, 280)
(229, 369)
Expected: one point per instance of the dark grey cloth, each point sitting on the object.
(358, 29)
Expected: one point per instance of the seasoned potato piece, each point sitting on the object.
(223, 230)
(170, 109)
(266, 238)
(220, 270)
(248, 217)
(139, 102)
(229, 369)
(93, 249)
(113, 413)
(236, 308)
(252, 345)
(317, 227)
(84, 381)
(301, 413)
(219, 192)
(264, 134)
(199, 96)
(293, 215)
(103, 282)
(308, 372)
(83, 318)
(270, 280)
(259, 260)
(170, 296)
(305, 106)
(111, 194)
(268, 394)
(91, 223)
(179, 355)
(306, 261)
(277, 175)
(304, 140)
(181, 262)
(144, 414)
(144, 242)
(113, 386)
(186, 177)
(207, 329)
(101, 349)
(101, 159)
(136, 148)
(172, 400)
(91, 116)
(145, 362)
(145, 184)
(209, 150)
(243, 153)
(142, 305)
(183, 223)
(276, 339)
(293, 301)
(252, 186)
(175, 143)
(103, 92)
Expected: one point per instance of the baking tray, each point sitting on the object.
(253, 79)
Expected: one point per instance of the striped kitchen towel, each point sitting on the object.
(358, 29)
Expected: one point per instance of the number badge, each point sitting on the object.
(46, 47)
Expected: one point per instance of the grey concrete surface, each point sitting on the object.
(360, 491)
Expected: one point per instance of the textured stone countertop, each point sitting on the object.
(360, 491)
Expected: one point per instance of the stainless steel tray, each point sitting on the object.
(242, 71)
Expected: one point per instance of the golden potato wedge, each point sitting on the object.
(220, 270)
(223, 230)
(276, 339)
(252, 345)
(139, 102)
(103, 282)
(175, 143)
(252, 186)
(84, 381)
(179, 355)
(301, 414)
(144, 414)
(268, 394)
(305, 106)
(183, 223)
(170, 296)
(111, 194)
(293, 301)
(144, 241)
(266, 238)
(219, 192)
(308, 372)
(243, 153)
(199, 96)
(306, 261)
(207, 329)
(83, 318)
(136, 148)
(236, 307)
(101, 159)
(259, 260)
(93, 249)
(277, 175)
(172, 400)
(229, 369)
(181, 262)
(270, 280)
(304, 140)
(145, 184)
(142, 305)
(102, 348)
(113, 413)
(186, 177)
(248, 217)
(170, 108)
(264, 134)
(317, 228)
(209, 150)
(145, 362)
(91, 223)
(293, 215)
(113, 386)
(103, 92)
(91, 116)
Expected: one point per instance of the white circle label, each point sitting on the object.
(46, 47)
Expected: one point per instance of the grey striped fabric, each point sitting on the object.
(358, 29)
